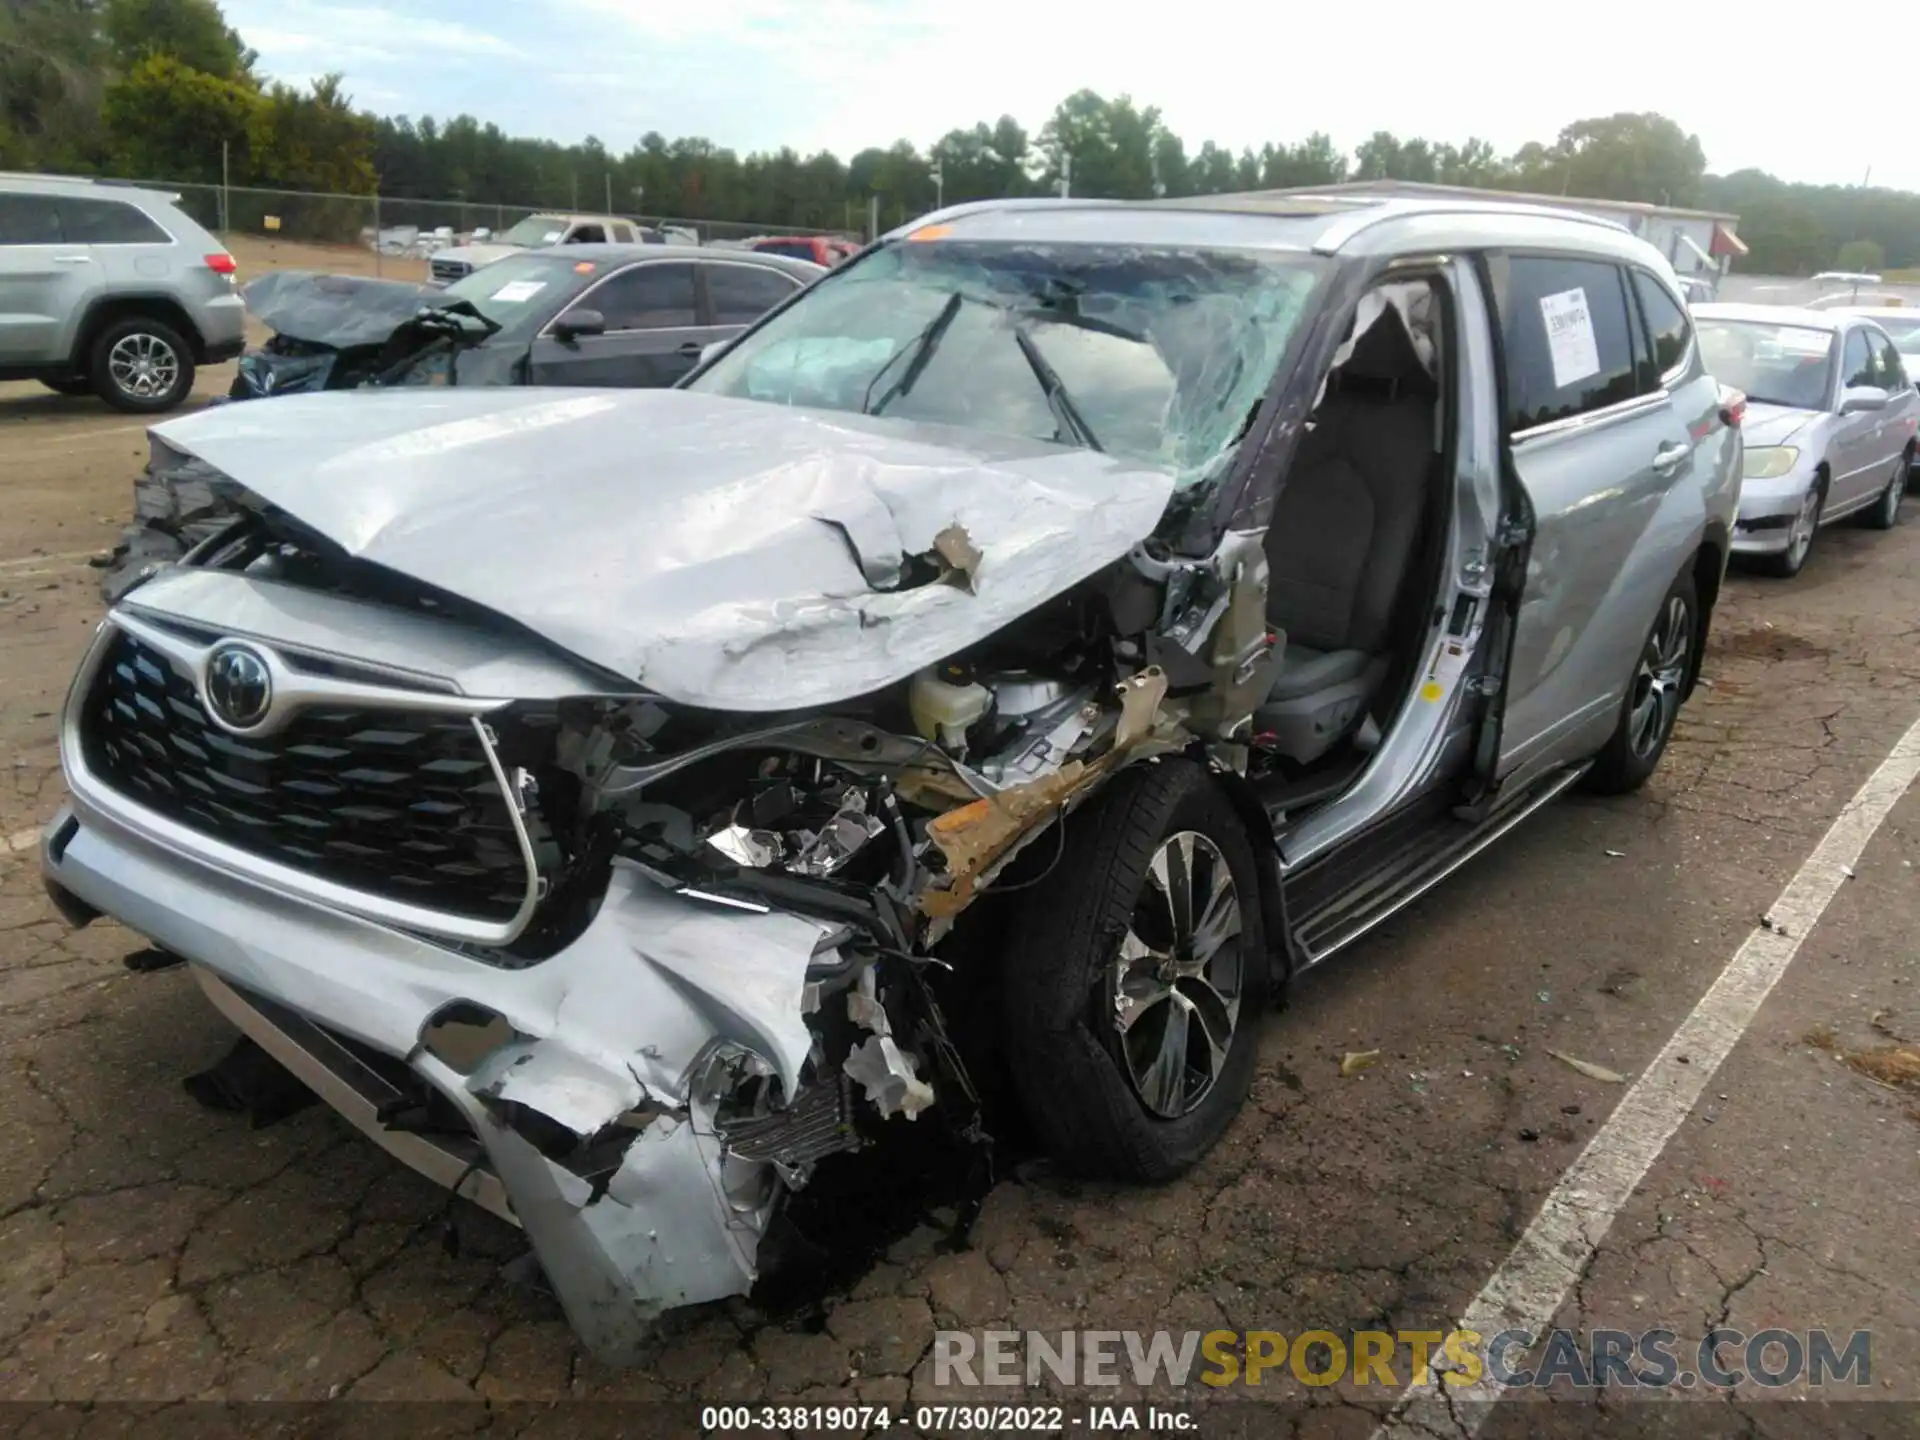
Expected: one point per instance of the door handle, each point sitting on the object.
(72, 259)
(691, 349)
(1670, 457)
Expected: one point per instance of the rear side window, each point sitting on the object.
(29, 220)
(108, 222)
(1569, 347)
(741, 294)
(1893, 375)
(1667, 328)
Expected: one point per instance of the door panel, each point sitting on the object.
(653, 334)
(1855, 460)
(1598, 446)
(44, 283)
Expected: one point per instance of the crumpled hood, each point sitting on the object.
(721, 552)
(338, 310)
(1765, 424)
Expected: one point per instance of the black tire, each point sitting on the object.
(173, 511)
(1661, 673)
(1060, 1010)
(1788, 562)
(80, 385)
(141, 366)
(1885, 513)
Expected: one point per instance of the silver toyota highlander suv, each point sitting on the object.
(113, 291)
(964, 701)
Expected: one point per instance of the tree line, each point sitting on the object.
(165, 89)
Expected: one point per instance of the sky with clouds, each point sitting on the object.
(845, 74)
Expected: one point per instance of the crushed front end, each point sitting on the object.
(621, 970)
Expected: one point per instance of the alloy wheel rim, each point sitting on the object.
(1660, 678)
(143, 365)
(1800, 538)
(1179, 976)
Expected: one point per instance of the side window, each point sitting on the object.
(622, 234)
(108, 222)
(1893, 375)
(1667, 327)
(1859, 366)
(646, 297)
(741, 294)
(587, 235)
(29, 220)
(1569, 346)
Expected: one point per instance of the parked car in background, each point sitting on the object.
(1696, 289)
(625, 316)
(824, 250)
(534, 233)
(1831, 423)
(112, 291)
(1902, 324)
(632, 803)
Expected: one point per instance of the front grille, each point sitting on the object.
(449, 270)
(396, 803)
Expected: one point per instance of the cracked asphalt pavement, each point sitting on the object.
(155, 1251)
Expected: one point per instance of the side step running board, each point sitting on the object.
(1336, 900)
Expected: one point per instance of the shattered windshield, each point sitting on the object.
(534, 231)
(1152, 353)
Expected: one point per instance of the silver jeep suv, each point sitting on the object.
(111, 290)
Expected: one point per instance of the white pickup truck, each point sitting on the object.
(533, 233)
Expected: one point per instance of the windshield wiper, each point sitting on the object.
(921, 347)
(1064, 413)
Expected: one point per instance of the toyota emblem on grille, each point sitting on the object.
(239, 686)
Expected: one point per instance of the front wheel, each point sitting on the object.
(1132, 996)
(1652, 702)
(1886, 511)
(1806, 523)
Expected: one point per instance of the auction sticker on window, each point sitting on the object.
(1570, 337)
(515, 291)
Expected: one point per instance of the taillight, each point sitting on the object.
(1733, 408)
(221, 263)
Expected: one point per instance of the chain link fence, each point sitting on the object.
(391, 236)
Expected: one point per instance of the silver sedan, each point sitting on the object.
(1830, 424)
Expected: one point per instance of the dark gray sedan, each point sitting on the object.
(631, 316)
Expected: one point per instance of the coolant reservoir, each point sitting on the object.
(946, 702)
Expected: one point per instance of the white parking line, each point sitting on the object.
(1527, 1291)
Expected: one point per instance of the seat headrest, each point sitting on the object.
(1385, 356)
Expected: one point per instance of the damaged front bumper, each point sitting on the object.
(611, 1160)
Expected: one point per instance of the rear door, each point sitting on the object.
(45, 283)
(652, 336)
(1598, 436)
(1900, 421)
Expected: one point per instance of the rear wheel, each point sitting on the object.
(141, 366)
(1886, 512)
(1132, 996)
(1652, 702)
(1806, 524)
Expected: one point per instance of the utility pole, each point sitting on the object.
(609, 179)
(573, 184)
(1066, 176)
(225, 202)
(939, 186)
(873, 216)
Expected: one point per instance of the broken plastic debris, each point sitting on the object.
(1354, 1061)
(1589, 1069)
(839, 840)
(887, 1075)
(755, 849)
(1617, 854)
(956, 548)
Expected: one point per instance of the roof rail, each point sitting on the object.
(1353, 223)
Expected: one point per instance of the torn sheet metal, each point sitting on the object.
(341, 311)
(746, 572)
(889, 1076)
